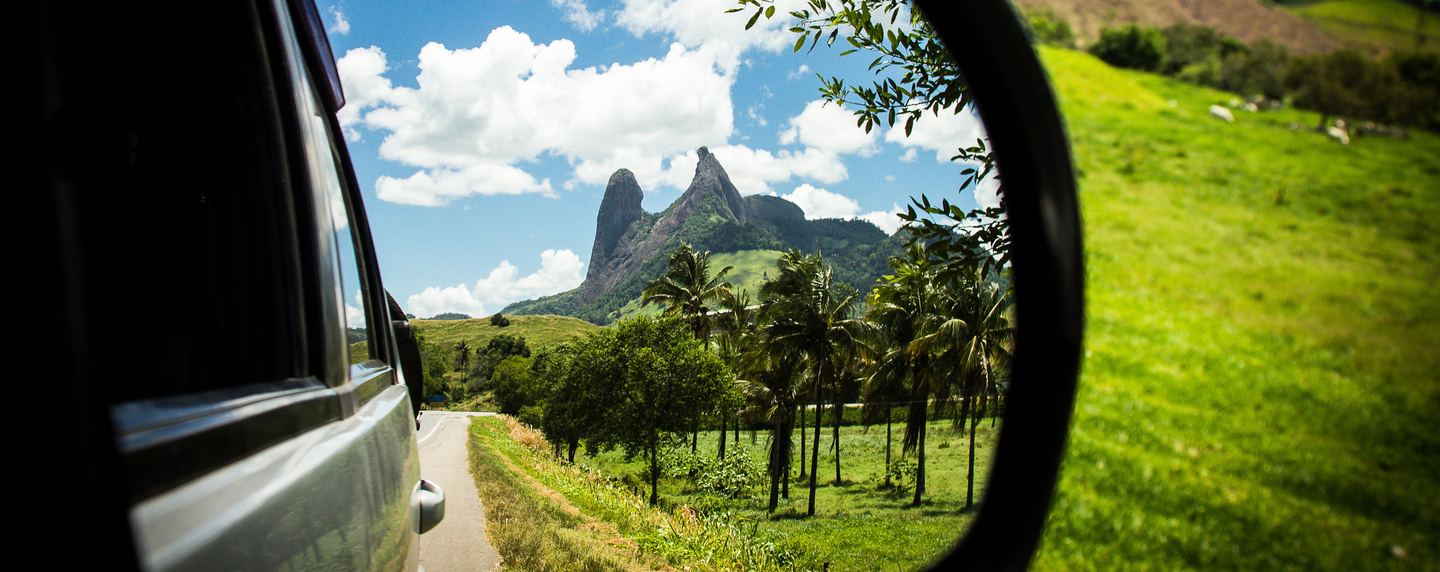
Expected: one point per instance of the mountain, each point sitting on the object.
(1248, 20)
(632, 246)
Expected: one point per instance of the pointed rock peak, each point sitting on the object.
(618, 209)
(703, 152)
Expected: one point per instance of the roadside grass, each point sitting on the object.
(1374, 24)
(1261, 387)
(556, 516)
(539, 331)
(859, 525)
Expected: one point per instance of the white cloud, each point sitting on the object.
(909, 155)
(802, 70)
(755, 116)
(820, 203)
(342, 26)
(579, 14)
(697, 23)
(560, 270)
(985, 192)
(829, 127)
(886, 220)
(479, 111)
(437, 187)
(943, 133)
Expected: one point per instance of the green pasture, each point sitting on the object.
(1261, 388)
(1374, 24)
(859, 525)
(539, 331)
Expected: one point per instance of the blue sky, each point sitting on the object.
(483, 133)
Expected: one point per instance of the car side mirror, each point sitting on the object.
(411, 368)
(986, 39)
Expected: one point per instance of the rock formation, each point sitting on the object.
(619, 251)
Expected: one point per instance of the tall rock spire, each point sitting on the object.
(619, 208)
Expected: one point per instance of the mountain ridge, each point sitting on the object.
(632, 246)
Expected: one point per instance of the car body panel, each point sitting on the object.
(337, 497)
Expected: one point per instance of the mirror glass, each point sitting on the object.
(735, 278)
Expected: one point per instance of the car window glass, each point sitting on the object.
(185, 234)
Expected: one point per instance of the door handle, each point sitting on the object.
(430, 499)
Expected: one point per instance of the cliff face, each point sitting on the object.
(618, 210)
(619, 251)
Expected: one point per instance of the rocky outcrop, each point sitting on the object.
(613, 259)
(618, 210)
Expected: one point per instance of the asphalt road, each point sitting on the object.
(459, 543)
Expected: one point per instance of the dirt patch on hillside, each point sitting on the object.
(1248, 20)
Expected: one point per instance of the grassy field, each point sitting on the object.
(1377, 25)
(860, 525)
(1261, 387)
(539, 331)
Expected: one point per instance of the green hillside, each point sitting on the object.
(539, 331)
(1261, 388)
(1377, 25)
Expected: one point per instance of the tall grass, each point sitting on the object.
(677, 536)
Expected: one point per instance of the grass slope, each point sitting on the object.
(539, 331)
(1377, 25)
(1261, 386)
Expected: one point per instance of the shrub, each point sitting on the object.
(1260, 70)
(1051, 30)
(730, 477)
(499, 320)
(1131, 46)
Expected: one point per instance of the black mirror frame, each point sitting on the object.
(1027, 135)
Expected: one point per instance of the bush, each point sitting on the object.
(1051, 30)
(1397, 90)
(1189, 45)
(730, 477)
(1260, 70)
(1131, 46)
(499, 320)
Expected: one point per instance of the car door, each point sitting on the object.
(314, 464)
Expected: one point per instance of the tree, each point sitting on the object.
(898, 310)
(462, 349)
(513, 385)
(969, 336)
(808, 313)
(496, 349)
(687, 287)
(639, 382)
(914, 76)
(1131, 46)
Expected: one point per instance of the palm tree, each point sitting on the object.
(769, 387)
(735, 346)
(898, 310)
(463, 348)
(971, 335)
(809, 314)
(687, 287)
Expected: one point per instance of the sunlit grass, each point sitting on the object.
(539, 331)
(1388, 24)
(1261, 387)
(859, 525)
